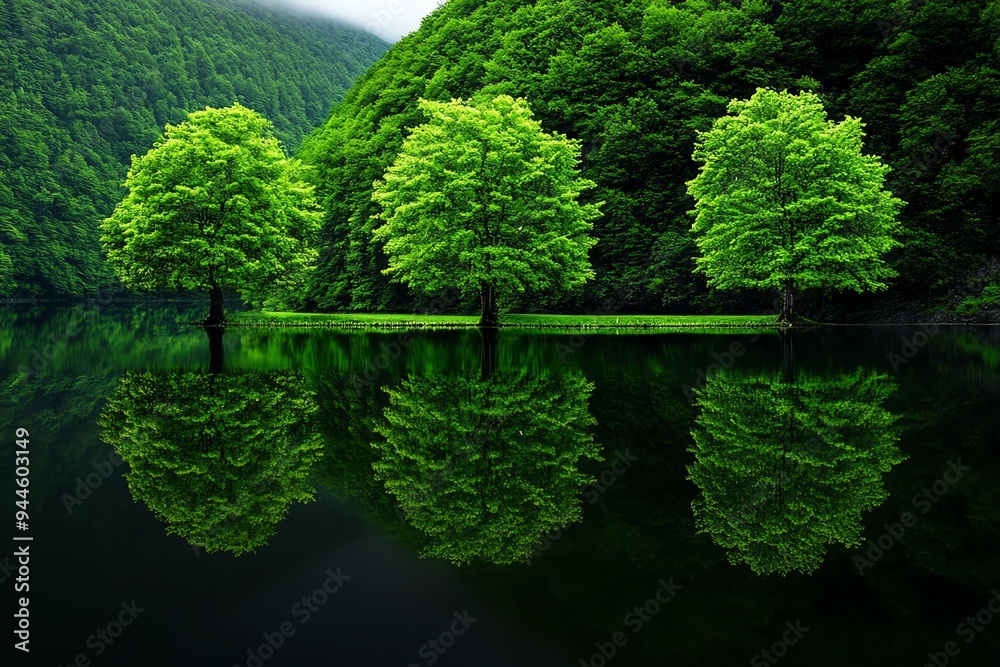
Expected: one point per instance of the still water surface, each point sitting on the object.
(830, 499)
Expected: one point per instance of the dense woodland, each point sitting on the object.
(635, 80)
(87, 84)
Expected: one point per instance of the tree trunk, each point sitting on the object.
(216, 316)
(788, 316)
(488, 361)
(215, 349)
(490, 318)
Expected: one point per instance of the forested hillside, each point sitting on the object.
(634, 81)
(85, 84)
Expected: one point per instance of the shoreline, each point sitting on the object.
(392, 321)
(530, 322)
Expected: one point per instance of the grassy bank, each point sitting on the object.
(509, 321)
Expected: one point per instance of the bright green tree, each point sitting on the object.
(215, 205)
(786, 468)
(786, 200)
(483, 468)
(219, 457)
(482, 199)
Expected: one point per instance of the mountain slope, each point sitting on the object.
(84, 84)
(635, 80)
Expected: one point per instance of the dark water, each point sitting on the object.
(535, 509)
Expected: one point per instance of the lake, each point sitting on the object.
(312, 497)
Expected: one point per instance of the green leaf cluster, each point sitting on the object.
(635, 81)
(214, 204)
(786, 198)
(86, 85)
(480, 195)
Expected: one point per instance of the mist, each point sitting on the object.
(386, 19)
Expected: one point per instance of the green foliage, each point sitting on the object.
(610, 74)
(786, 199)
(483, 468)
(85, 85)
(930, 97)
(635, 81)
(8, 234)
(214, 204)
(218, 457)
(988, 298)
(480, 197)
(787, 467)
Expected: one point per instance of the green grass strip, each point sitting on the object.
(375, 321)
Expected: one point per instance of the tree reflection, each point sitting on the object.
(787, 467)
(484, 467)
(218, 457)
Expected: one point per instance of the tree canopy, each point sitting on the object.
(214, 205)
(481, 199)
(786, 200)
(85, 85)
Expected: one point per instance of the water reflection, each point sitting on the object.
(483, 467)
(640, 529)
(787, 465)
(218, 456)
